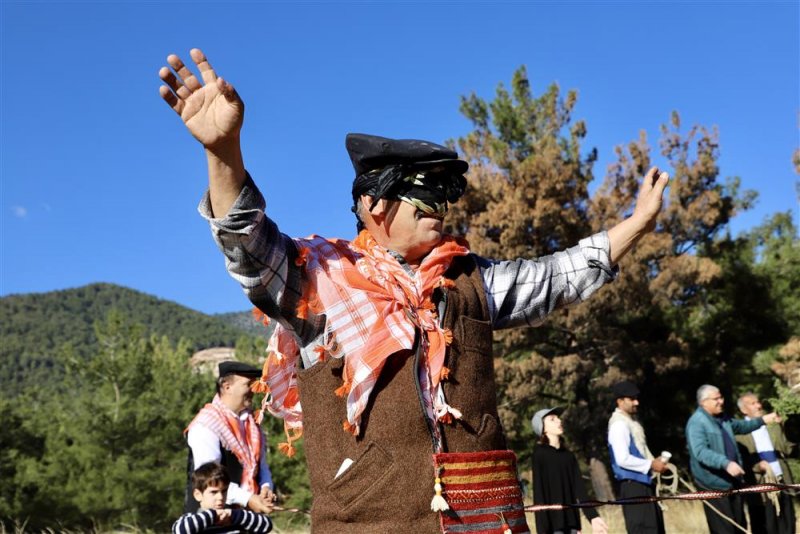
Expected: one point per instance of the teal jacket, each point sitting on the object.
(707, 450)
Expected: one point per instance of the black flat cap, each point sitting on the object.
(626, 388)
(370, 152)
(238, 368)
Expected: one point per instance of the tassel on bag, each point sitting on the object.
(504, 524)
(438, 504)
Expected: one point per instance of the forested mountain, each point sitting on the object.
(243, 321)
(97, 389)
(34, 326)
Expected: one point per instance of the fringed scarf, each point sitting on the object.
(246, 446)
(373, 308)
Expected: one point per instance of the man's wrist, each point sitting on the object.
(226, 148)
(638, 224)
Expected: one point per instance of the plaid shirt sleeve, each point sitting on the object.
(522, 292)
(261, 259)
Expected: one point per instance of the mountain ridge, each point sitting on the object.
(34, 326)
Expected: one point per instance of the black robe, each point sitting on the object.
(557, 480)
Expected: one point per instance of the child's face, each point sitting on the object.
(212, 497)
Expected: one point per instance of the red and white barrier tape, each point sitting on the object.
(694, 496)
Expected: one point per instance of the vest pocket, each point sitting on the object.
(357, 481)
(476, 335)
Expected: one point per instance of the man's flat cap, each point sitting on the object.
(238, 368)
(626, 388)
(371, 152)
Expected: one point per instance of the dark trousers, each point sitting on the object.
(640, 518)
(732, 507)
(764, 518)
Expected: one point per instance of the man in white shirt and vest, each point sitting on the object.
(226, 432)
(632, 462)
(764, 453)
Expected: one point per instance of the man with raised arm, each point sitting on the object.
(385, 341)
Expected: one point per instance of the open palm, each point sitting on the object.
(213, 111)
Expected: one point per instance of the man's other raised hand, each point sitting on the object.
(650, 198)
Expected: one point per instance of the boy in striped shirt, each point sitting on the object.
(210, 487)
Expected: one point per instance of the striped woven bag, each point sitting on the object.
(481, 492)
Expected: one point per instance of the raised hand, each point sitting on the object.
(212, 111)
(648, 202)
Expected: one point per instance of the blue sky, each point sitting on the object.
(100, 181)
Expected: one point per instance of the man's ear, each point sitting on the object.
(378, 210)
(198, 495)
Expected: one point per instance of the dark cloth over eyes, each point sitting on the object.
(428, 191)
(396, 181)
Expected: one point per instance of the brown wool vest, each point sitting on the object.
(389, 486)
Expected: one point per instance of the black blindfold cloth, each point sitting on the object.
(431, 188)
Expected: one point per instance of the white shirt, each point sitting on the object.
(206, 448)
(764, 444)
(619, 437)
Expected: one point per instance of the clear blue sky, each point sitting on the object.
(100, 181)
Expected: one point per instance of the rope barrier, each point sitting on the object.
(694, 496)
(291, 510)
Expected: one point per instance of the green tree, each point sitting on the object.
(113, 450)
(528, 197)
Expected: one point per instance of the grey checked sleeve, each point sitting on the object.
(261, 259)
(523, 292)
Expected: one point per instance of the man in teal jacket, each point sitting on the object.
(714, 457)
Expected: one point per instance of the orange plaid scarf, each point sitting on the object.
(374, 308)
(246, 446)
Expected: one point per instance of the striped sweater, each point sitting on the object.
(242, 521)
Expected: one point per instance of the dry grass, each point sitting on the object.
(680, 517)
